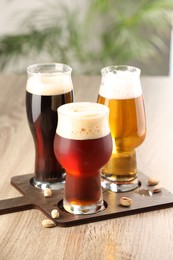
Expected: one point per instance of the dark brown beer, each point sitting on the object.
(42, 119)
(48, 86)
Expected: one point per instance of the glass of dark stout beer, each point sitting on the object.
(48, 87)
(121, 91)
(83, 144)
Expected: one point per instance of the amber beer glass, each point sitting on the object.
(121, 91)
(83, 144)
(48, 87)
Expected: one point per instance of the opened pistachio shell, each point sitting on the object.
(153, 182)
(125, 201)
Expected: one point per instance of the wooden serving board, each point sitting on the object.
(34, 199)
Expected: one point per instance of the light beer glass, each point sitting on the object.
(48, 87)
(83, 144)
(121, 91)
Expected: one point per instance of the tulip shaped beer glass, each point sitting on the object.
(121, 91)
(83, 144)
(48, 86)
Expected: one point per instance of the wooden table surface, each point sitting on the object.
(141, 236)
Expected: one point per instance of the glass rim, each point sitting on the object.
(61, 111)
(114, 68)
(48, 69)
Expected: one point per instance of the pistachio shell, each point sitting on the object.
(153, 182)
(48, 223)
(125, 201)
(157, 188)
(47, 192)
(55, 213)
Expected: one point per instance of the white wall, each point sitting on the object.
(12, 11)
(171, 52)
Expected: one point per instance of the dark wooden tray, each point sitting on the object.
(33, 199)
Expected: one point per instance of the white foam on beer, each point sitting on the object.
(122, 85)
(83, 121)
(48, 85)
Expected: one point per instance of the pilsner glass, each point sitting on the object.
(48, 87)
(83, 144)
(121, 91)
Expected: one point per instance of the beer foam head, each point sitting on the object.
(52, 80)
(83, 121)
(120, 82)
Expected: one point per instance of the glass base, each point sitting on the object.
(87, 209)
(51, 185)
(120, 186)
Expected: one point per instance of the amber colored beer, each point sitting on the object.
(48, 87)
(121, 91)
(83, 145)
(82, 160)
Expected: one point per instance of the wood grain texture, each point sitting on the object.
(34, 199)
(143, 236)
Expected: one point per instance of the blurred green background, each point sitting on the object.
(91, 36)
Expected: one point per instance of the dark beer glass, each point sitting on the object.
(83, 145)
(121, 91)
(48, 87)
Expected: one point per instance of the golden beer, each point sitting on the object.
(122, 93)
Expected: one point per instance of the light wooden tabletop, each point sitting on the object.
(141, 236)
